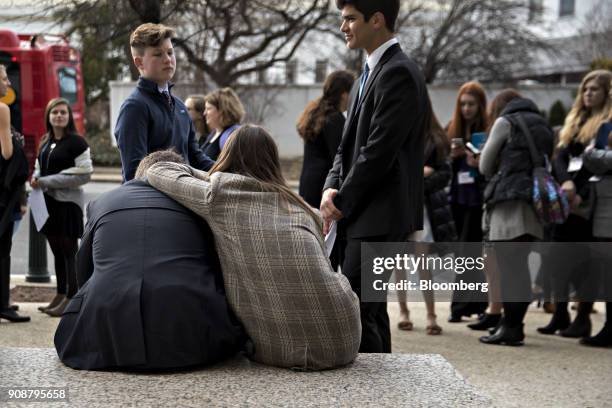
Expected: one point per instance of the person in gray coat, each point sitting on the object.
(150, 286)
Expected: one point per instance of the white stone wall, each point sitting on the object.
(290, 101)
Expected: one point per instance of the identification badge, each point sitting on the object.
(465, 177)
(575, 164)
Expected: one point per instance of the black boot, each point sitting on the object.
(510, 336)
(5, 281)
(559, 321)
(601, 339)
(492, 330)
(580, 327)
(487, 321)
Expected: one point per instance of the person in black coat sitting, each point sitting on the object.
(150, 286)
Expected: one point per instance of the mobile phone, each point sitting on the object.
(457, 142)
(472, 148)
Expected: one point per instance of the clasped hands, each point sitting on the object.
(329, 212)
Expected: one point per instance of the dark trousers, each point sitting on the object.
(64, 253)
(468, 220)
(375, 328)
(515, 283)
(6, 240)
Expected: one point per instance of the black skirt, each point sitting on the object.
(65, 219)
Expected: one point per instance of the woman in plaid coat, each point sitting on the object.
(297, 311)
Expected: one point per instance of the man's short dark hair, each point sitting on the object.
(156, 157)
(388, 8)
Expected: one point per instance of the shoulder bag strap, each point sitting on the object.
(535, 157)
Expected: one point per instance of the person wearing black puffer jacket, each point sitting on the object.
(509, 214)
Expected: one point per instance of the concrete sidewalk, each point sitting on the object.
(549, 371)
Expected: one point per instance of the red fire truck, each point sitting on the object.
(40, 67)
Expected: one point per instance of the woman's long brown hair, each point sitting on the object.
(457, 125)
(499, 103)
(251, 151)
(313, 118)
(435, 135)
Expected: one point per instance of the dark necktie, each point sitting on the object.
(168, 99)
(364, 79)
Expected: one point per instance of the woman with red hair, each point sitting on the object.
(467, 184)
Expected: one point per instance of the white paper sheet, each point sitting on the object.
(330, 238)
(38, 208)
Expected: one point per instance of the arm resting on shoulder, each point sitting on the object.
(188, 186)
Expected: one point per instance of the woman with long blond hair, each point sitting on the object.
(590, 110)
(297, 311)
(467, 184)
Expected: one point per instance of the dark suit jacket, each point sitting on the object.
(378, 169)
(319, 158)
(151, 290)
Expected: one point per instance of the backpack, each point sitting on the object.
(549, 201)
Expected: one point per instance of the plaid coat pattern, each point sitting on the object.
(297, 311)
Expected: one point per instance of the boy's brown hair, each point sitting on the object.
(149, 35)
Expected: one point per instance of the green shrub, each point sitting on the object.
(103, 153)
(602, 63)
(557, 114)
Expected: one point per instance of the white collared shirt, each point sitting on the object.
(374, 58)
(164, 89)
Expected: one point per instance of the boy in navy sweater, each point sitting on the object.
(151, 118)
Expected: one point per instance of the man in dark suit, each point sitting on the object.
(375, 188)
(150, 286)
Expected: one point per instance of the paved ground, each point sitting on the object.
(549, 371)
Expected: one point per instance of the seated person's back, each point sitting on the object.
(151, 291)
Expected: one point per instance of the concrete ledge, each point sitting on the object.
(425, 380)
